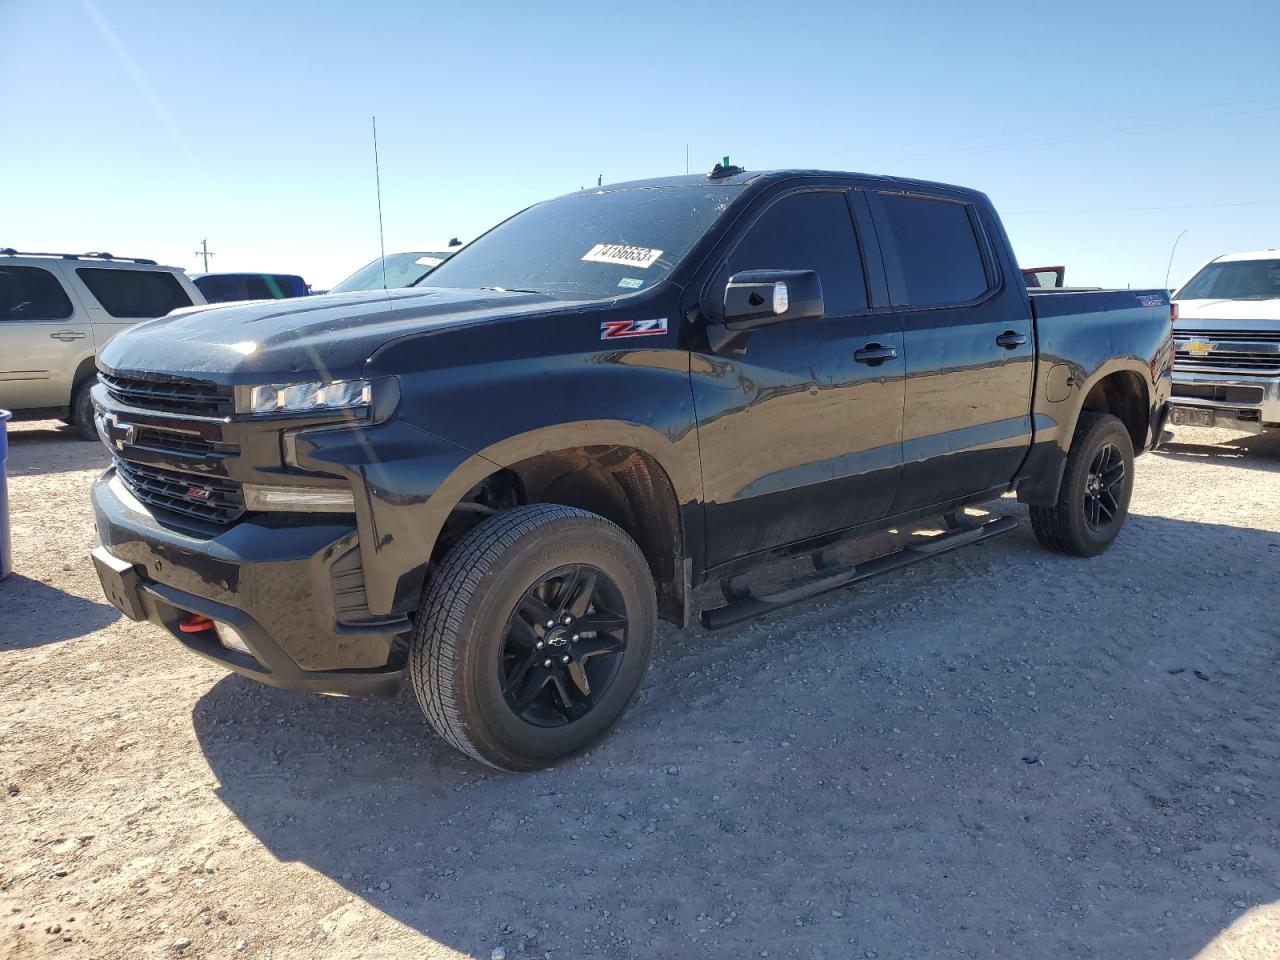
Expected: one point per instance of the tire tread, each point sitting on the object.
(448, 602)
(1057, 527)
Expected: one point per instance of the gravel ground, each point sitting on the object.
(996, 753)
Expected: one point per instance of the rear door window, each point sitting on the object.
(32, 293)
(938, 252)
(134, 293)
(807, 231)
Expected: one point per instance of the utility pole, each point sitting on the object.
(205, 252)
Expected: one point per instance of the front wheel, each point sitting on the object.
(533, 636)
(1097, 484)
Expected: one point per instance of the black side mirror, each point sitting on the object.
(758, 298)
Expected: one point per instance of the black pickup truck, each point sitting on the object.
(498, 482)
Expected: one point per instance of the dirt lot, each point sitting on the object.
(999, 753)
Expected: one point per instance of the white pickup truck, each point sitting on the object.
(1227, 367)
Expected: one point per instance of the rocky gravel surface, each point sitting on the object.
(997, 753)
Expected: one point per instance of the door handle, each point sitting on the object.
(1011, 339)
(66, 336)
(874, 354)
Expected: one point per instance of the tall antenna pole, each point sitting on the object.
(205, 253)
(1169, 269)
(377, 176)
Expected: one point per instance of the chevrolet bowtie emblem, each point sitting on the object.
(1199, 347)
(118, 434)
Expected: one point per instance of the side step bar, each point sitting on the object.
(742, 604)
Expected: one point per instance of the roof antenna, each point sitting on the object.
(1169, 270)
(599, 179)
(377, 176)
(723, 169)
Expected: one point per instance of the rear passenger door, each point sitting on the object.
(970, 348)
(119, 297)
(44, 335)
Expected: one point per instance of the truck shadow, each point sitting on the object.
(999, 752)
(35, 614)
(43, 447)
(1257, 452)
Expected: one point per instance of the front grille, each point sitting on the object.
(170, 441)
(214, 499)
(170, 395)
(1246, 352)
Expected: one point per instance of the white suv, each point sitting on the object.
(57, 310)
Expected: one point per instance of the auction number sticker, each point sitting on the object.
(627, 256)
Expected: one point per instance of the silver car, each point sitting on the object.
(57, 310)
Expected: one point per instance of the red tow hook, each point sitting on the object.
(195, 624)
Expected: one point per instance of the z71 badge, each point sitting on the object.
(617, 329)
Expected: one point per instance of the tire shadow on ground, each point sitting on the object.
(907, 768)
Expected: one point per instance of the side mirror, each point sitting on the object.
(758, 298)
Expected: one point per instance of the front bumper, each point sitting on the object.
(281, 582)
(1247, 403)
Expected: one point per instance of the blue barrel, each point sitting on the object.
(6, 558)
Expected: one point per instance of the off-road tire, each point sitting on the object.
(82, 410)
(1064, 527)
(454, 660)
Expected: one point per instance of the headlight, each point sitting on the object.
(310, 397)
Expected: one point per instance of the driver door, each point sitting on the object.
(800, 430)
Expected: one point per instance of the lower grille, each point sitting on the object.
(1217, 392)
(213, 499)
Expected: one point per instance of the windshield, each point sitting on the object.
(1235, 280)
(589, 246)
(403, 270)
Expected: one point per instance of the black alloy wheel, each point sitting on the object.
(563, 645)
(1104, 488)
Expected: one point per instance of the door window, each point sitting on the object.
(134, 293)
(938, 252)
(807, 231)
(32, 293)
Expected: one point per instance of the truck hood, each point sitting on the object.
(263, 341)
(1229, 310)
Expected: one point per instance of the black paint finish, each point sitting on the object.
(762, 441)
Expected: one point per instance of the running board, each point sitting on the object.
(743, 604)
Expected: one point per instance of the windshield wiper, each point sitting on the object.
(512, 290)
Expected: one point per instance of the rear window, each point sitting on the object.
(937, 248)
(31, 293)
(134, 293)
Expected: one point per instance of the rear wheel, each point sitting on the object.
(82, 411)
(1093, 501)
(533, 636)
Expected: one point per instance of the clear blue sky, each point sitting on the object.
(1101, 130)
